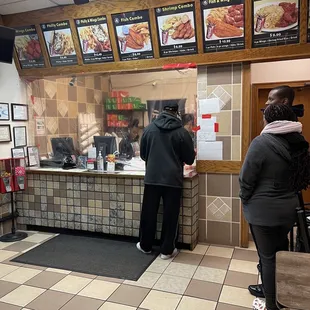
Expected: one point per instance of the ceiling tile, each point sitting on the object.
(24, 6)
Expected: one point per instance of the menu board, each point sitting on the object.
(94, 39)
(223, 25)
(59, 43)
(28, 47)
(275, 22)
(133, 34)
(176, 29)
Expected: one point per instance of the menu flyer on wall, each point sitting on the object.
(275, 22)
(28, 48)
(94, 39)
(59, 43)
(133, 34)
(223, 25)
(176, 29)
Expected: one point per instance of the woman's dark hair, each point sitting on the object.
(133, 123)
(186, 118)
(279, 112)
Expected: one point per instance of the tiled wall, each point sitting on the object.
(59, 104)
(219, 203)
(5, 210)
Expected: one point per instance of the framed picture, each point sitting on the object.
(33, 156)
(20, 136)
(4, 112)
(18, 152)
(19, 112)
(5, 133)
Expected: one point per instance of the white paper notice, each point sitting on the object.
(210, 150)
(92, 152)
(206, 136)
(209, 106)
(206, 124)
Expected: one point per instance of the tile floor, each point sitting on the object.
(209, 278)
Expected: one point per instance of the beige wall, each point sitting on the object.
(280, 71)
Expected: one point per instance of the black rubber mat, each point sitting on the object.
(98, 256)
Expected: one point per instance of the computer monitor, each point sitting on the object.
(62, 147)
(105, 144)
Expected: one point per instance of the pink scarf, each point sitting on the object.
(282, 127)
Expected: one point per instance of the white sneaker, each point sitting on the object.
(174, 253)
(259, 304)
(141, 250)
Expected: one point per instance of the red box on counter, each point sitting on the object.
(119, 94)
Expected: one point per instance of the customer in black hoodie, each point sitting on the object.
(276, 167)
(165, 147)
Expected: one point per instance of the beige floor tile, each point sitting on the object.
(6, 269)
(71, 284)
(21, 275)
(58, 270)
(83, 275)
(220, 251)
(4, 255)
(113, 306)
(250, 256)
(99, 289)
(240, 279)
(172, 284)
(215, 262)
(4, 245)
(82, 303)
(38, 238)
(4, 306)
(210, 274)
(50, 300)
(148, 280)
(199, 249)
(182, 270)
(156, 300)
(113, 280)
(22, 296)
(236, 296)
(20, 246)
(243, 266)
(45, 279)
(196, 303)
(7, 287)
(221, 306)
(188, 258)
(204, 290)
(159, 265)
(129, 295)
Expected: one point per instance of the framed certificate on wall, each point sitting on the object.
(19, 112)
(20, 136)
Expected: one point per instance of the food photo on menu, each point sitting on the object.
(59, 42)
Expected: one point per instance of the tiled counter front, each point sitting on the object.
(105, 204)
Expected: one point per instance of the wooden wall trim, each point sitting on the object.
(218, 166)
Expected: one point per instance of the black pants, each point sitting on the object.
(172, 201)
(268, 241)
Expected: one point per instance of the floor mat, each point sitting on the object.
(98, 256)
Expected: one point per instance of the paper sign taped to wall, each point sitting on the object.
(210, 150)
(209, 106)
(206, 124)
(206, 136)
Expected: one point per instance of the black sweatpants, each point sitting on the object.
(172, 201)
(269, 241)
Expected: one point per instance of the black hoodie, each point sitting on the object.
(165, 147)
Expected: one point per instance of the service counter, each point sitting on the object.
(92, 201)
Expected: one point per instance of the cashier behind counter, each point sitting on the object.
(129, 146)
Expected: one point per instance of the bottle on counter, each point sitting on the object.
(100, 162)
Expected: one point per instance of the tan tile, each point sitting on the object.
(250, 256)
(45, 279)
(73, 109)
(82, 303)
(20, 246)
(6, 288)
(4, 245)
(99, 289)
(4, 306)
(148, 279)
(182, 270)
(73, 125)
(219, 209)
(215, 262)
(98, 110)
(161, 301)
(51, 108)
(66, 272)
(62, 92)
(204, 290)
(84, 275)
(159, 265)
(63, 108)
(200, 249)
(202, 231)
(213, 227)
(236, 234)
(195, 303)
(81, 94)
(113, 306)
(6, 269)
(51, 125)
(50, 89)
(172, 284)
(236, 296)
(237, 97)
(21, 275)
(236, 123)
(90, 96)
(81, 81)
(63, 126)
(210, 274)
(221, 306)
(219, 185)
(50, 300)
(90, 108)
(240, 279)
(237, 73)
(82, 107)
(22, 296)
(236, 210)
(235, 148)
(90, 82)
(129, 295)
(72, 93)
(220, 251)
(219, 75)
(97, 82)
(243, 266)
(188, 258)
(226, 147)
(4, 255)
(71, 284)
(202, 207)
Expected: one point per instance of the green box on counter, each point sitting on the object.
(139, 106)
(111, 100)
(108, 106)
(131, 100)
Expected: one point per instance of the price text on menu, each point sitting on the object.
(94, 39)
(223, 25)
(133, 35)
(275, 22)
(176, 26)
(28, 48)
(59, 43)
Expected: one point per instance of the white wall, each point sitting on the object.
(12, 90)
(281, 71)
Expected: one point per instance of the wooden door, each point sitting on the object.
(259, 98)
